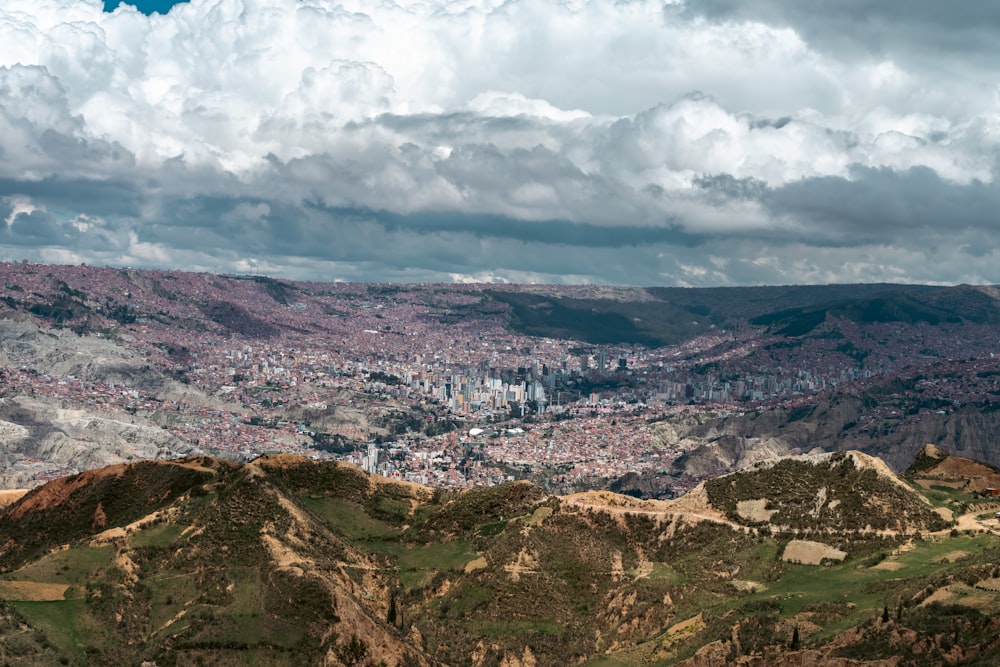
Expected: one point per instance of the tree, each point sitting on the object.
(354, 652)
(391, 616)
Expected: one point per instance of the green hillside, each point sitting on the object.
(286, 561)
(603, 321)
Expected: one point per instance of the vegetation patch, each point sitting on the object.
(601, 321)
(466, 510)
(75, 565)
(350, 519)
(58, 624)
(829, 494)
(418, 564)
(515, 628)
(162, 535)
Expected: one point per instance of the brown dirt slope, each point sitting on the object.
(933, 464)
(73, 507)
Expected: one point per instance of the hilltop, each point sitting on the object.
(284, 560)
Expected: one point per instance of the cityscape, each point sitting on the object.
(413, 333)
(431, 383)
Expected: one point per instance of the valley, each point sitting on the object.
(210, 469)
(644, 391)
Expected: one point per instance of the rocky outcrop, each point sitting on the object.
(970, 432)
(726, 443)
(734, 441)
(34, 430)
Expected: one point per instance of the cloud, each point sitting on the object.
(698, 142)
(872, 27)
(885, 204)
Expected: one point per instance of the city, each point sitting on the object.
(431, 383)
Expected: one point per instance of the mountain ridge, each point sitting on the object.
(286, 560)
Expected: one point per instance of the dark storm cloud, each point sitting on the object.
(719, 188)
(92, 197)
(255, 225)
(74, 150)
(550, 232)
(243, 224)
(37, 228)
(886, 206)
(873, 26)
(449, 125)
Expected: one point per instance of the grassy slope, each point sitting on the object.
(501, 569)
(602, 321)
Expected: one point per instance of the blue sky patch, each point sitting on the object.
(147, 7)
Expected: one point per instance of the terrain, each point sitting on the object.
(817, 560)
(719, 443)
(646, 391)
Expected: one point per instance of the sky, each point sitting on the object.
(679, 142)
(144, 6)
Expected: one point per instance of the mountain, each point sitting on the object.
(659, 316)
(944, 306)
(950, 405)
(803, 560)
(935, 468)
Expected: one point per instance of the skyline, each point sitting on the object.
(698, 143)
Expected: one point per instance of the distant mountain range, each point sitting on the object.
(87, 299)
(666, 316)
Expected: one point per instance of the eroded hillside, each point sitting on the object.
(289, 561)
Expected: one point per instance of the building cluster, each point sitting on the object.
(560, 453)
(277, 360)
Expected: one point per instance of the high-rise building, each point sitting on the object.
(370, 462)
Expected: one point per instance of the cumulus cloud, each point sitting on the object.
(687, 142)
